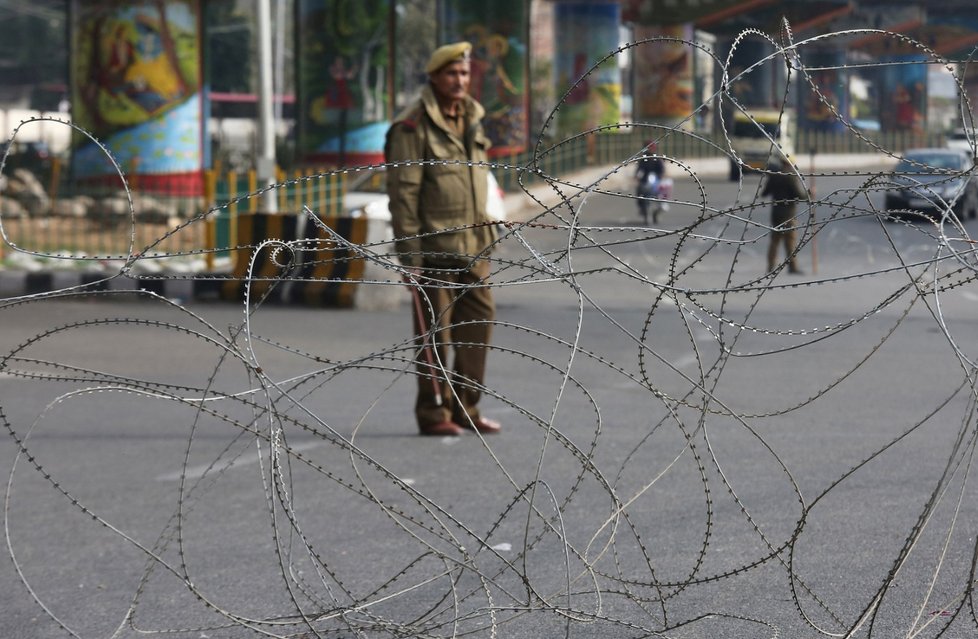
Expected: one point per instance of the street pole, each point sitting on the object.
(811, 214)
(265, 161)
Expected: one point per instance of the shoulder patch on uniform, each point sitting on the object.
(410, 119)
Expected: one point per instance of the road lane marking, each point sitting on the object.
(196, 472)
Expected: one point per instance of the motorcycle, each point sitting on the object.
(653, 195)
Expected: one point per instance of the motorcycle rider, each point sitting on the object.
(649, 165)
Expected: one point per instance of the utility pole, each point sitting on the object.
(265, 162)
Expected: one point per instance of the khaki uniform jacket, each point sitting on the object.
(439, 209)
(786, 190)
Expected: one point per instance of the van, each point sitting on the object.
(751, 134)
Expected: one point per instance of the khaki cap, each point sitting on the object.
(446, 54)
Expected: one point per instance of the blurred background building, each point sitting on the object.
(171, 87)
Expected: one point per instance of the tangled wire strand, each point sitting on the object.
(710, 518)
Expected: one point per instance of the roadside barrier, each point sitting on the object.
(314, 271)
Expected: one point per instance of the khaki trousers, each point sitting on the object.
(457, 310)
(782, 219)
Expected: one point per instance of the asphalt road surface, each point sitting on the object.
(692, 447)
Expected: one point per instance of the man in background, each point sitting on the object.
(785, 190)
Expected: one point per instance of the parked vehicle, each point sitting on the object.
(366, 195)
(931, 182)
(758, 136)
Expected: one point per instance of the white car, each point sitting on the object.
(961, 139)
(366, 195)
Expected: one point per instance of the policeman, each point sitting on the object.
(443, 237)
(786, 190)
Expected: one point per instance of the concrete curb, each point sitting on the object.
(17, 284)
(181, 285)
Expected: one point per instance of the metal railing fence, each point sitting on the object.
(71, 220)
(620, 144)
(231, 195)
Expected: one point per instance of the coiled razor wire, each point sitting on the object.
(731, 508)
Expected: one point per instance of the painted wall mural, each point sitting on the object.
(664, 72)
(342, 82)
(826, 106)
(136, 88)
(904, 101)
(498, 31)
(587, 33)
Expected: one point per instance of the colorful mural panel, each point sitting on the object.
(824, 92)
(587, 33)
(498, 31)
(904, 100)
(663, 72)
(342, 81)
(136, 88)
